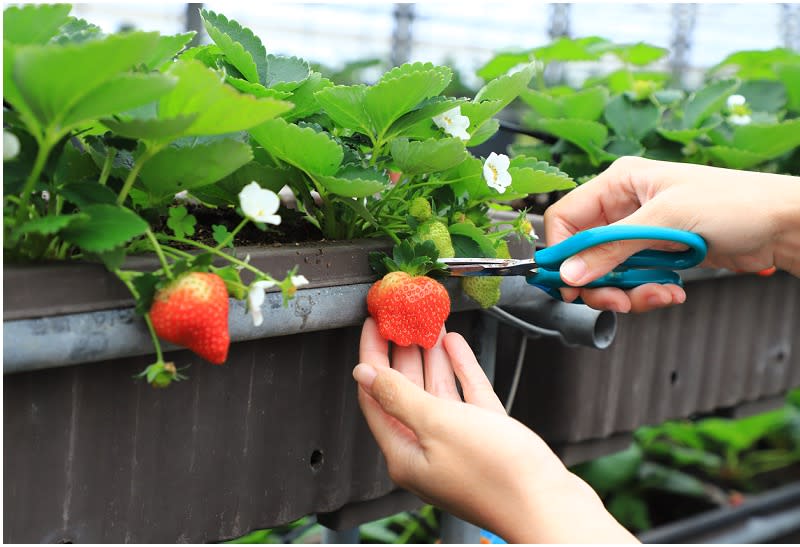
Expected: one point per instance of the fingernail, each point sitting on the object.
(364, 374)
(573, 270)
(680, 298)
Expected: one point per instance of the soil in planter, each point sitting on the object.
(294, 228)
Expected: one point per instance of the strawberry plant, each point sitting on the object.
(745, 114)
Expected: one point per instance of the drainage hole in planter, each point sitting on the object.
(316, 460)
(673, 377)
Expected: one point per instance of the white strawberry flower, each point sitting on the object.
(10, 145)
(453, 123)
(495, 172)
(299, 280)
(260, 204)
(255, 298)
(740, 111)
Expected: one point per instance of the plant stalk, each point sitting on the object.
(27, 188)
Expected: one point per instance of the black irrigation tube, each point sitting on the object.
(514, 128)
(761, 519)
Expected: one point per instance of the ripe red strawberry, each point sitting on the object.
(409, 309)
(192, 311)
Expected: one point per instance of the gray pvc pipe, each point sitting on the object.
(577, 324)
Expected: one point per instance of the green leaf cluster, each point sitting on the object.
(697, 461)
(640, 109)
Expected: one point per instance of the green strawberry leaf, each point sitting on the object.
(590, 136)
(485, 132)
(241, 47)
(285, 73)
(529, 176)
(430, 156)
(256, 89)
(764, 95)
(146, 286)
(632, 120)
(789, 74)
(118, 94)
(423, 114)
(586, 104)
(685, 136)
(479, 113)
(708, 100)
(503, 62)
(315, 153)
(477, 239)
(543, 104)
(507, 87)
(624, 146)
(735, 158)
(34, 24)
(345, 106)
(48, 225)
(77, 30)
(639, 54)
(48, 81)
(186, 166)
(225, 191)
(167, 48)
(233, 282)
(152, 129)
(770, 140)
(354, 182)
(219, 108)
(400, 90)
(589, 48)
(304, 98)
(104, 228)
(758, 64)
(87, 193)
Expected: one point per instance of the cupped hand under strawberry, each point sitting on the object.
(192, 311)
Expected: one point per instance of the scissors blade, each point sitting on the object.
(489, 266)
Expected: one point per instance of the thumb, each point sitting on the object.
(397, 395)
(595, 262)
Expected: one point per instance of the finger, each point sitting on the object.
(653, 296)
(373, 349)
(398, 396)
(439, 378)
(474, 383)
(607, 298)
(407, 360)
(398, 443)
(596, 261)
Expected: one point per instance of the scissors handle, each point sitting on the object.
(551, 258)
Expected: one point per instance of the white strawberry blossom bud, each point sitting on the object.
(255, 298)
(10, 145)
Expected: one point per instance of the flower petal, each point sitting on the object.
(736, 100)
(299, 280)
(259, 204)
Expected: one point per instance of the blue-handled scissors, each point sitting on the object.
(644, 267)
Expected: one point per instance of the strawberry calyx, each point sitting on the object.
(414, 258)
(161, 374)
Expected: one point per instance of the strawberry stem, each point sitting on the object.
(126, 278)
(160, 254)
(231, 235)
(214, 251)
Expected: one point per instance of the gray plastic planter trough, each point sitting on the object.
(276, 433)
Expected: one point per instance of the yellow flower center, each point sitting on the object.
(494, 172)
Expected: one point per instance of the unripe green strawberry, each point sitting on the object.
(409, 309)
(436, 231)
(420, 209)
(192, 312)
(486, 290)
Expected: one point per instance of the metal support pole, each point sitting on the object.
(789, 22)
(195, 23)
(349, 535)
(684, 17)
(401, 36)
(559, 21)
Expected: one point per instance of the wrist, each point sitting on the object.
(787, 223)
(568, 512)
